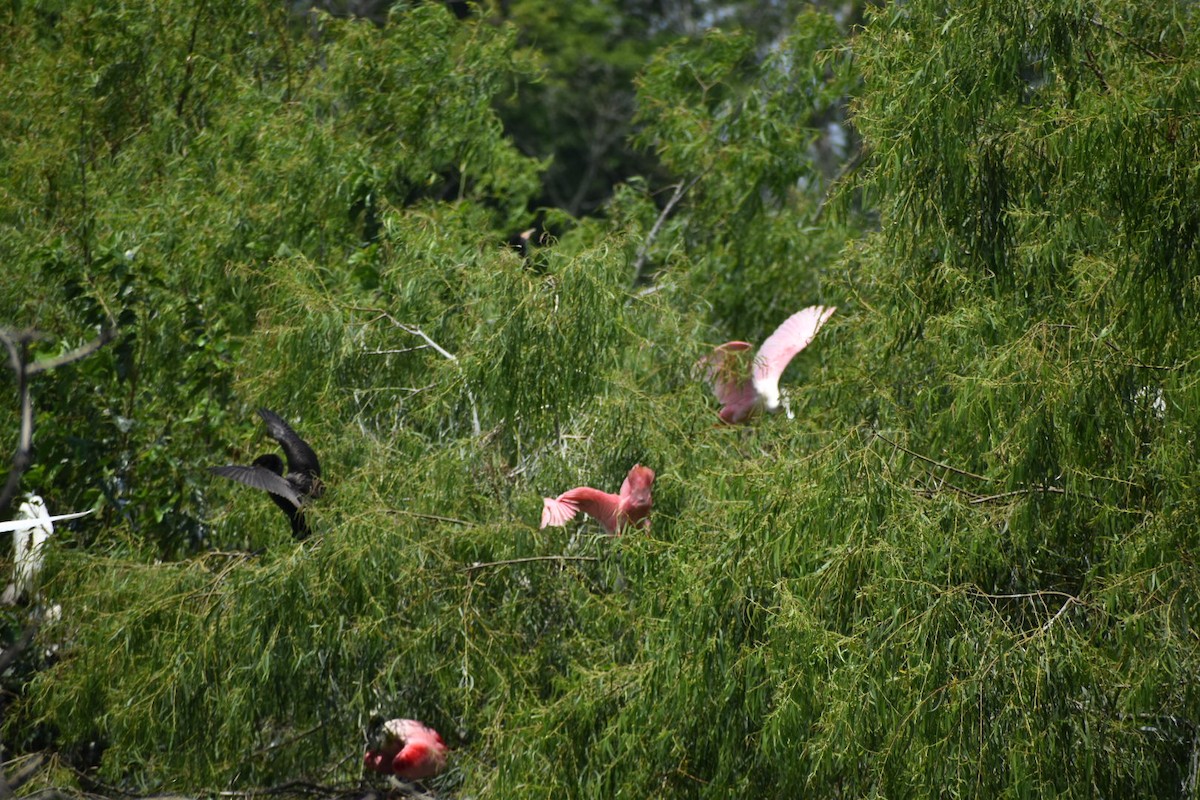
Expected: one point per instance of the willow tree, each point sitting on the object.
(1011, 535)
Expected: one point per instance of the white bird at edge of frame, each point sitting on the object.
(30, 530)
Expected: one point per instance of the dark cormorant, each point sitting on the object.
(290, 490)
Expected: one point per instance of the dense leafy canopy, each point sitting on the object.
(966, 567)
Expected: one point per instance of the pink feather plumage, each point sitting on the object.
(613, 511)
(410, 750)
(743, 395)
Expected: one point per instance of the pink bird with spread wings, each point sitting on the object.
(409, 750)
(614, 511)
(742, 396)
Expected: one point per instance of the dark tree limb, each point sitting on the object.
(10, 654)
(189, 62)
(27, 771)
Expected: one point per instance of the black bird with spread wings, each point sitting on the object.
(288, 490)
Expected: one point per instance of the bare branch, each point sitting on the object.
(415, 331)
(1025, 595)
(23, 454)
(1018, 492)
(26, 772)
(681, 189)
(410, 329)
(107, 334)
(484, 565)
(1059, 613)
(929, 460)
(430, 516)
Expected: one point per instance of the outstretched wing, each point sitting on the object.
(259, 478)
(300, 457)
(781, 346)
(727, 371)
(21, 524)
(601, 505)
(557, 512)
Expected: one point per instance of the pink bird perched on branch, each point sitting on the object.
(742, 396)
(409, 750)
(630, 507)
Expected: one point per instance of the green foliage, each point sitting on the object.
(741, 134)
(965, 568)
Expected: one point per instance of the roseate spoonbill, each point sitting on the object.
(30, 530)
(742, 396)
(288, 490)
(409, 750)
(630, 507)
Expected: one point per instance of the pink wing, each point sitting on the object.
(727, 375)
(557, 512)
(781, 346)
(601, 505)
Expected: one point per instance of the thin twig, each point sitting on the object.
(290, 739)
(846, 169)
(415, 331)
(1025, 595)
(1189, 784)
(929, 460)
(681, 189)
(1126, 37)
(302, 787)
(1018, 492)
(484, 565)
(430, 516)
(395, 351)
(1135, 362)
(1058, 614)
(1090, 61)
(932, 490)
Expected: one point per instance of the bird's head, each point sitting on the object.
(34, 507)
(636, 489)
